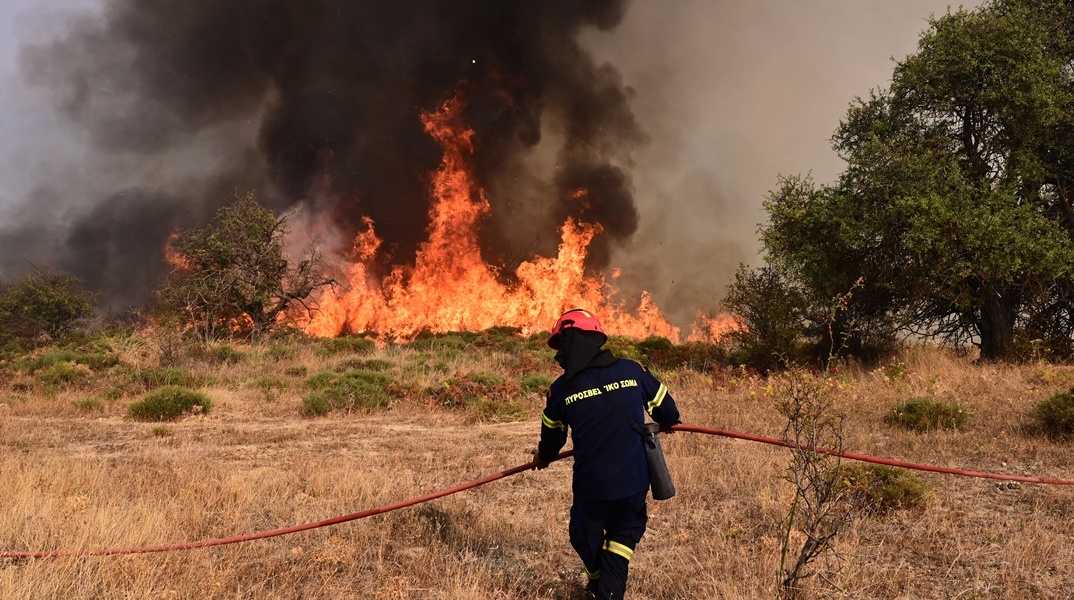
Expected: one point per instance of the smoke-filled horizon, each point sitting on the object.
(173, 108)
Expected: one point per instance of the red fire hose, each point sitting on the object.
(876, 460)
(493, 477)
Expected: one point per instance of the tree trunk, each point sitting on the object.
(999, 306)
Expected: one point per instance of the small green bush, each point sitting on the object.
(156, 377)
(44, 303)
(94, 360)
(363, 364)
(296, 371)
(696, 356)
(1056, 414)
(227, 355)
(271, 387)
(926, 414)
(316, 404)
(271, 383)
(442, 342)
(535, 383)
(881, 489)
(505, 339)
(353, 390)
(89, 404)
(278, 352)
(169, 403)
(63, 374)
(654, 343)
(349, 344)
(625, 348)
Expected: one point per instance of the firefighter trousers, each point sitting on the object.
(604, 534)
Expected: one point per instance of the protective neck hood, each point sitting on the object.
(580, 349)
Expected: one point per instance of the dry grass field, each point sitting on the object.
(76, 471)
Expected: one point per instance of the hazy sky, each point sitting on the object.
(734, 93)
(730, 92)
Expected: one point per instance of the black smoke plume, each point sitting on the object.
(183, 103)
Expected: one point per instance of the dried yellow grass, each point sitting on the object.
(73, 478)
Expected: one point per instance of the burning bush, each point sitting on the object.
(232, 276)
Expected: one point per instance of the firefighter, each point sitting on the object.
(602, 400)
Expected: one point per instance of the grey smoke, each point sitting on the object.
(676, 116)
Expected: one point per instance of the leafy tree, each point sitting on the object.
(954, 207)
(232, 275)
(44, 303)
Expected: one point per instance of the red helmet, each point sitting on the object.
(578, 319)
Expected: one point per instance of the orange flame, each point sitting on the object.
(175, 259)
(451, 288)
(711, 329)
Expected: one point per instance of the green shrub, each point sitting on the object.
(535, 383)
(506, 339)
(660, 353)
(316, 404)
(153, 378)
(169, 403)
(64, 373)
(350, 391)
(926, 414)
(44, 303)
(441, 342)
(161, 431)
(278, 352)
(349, 344)
(94, 360)
(625, 348)
(881, 489)
(1056, 414)
(89, 404)
(696, 356)
(363, 364)
(271, 387)
(653, 343)
(772, 306)
(296, 371)
(225, 354)
(271, 383)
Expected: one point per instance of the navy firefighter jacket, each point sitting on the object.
(609, 460)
